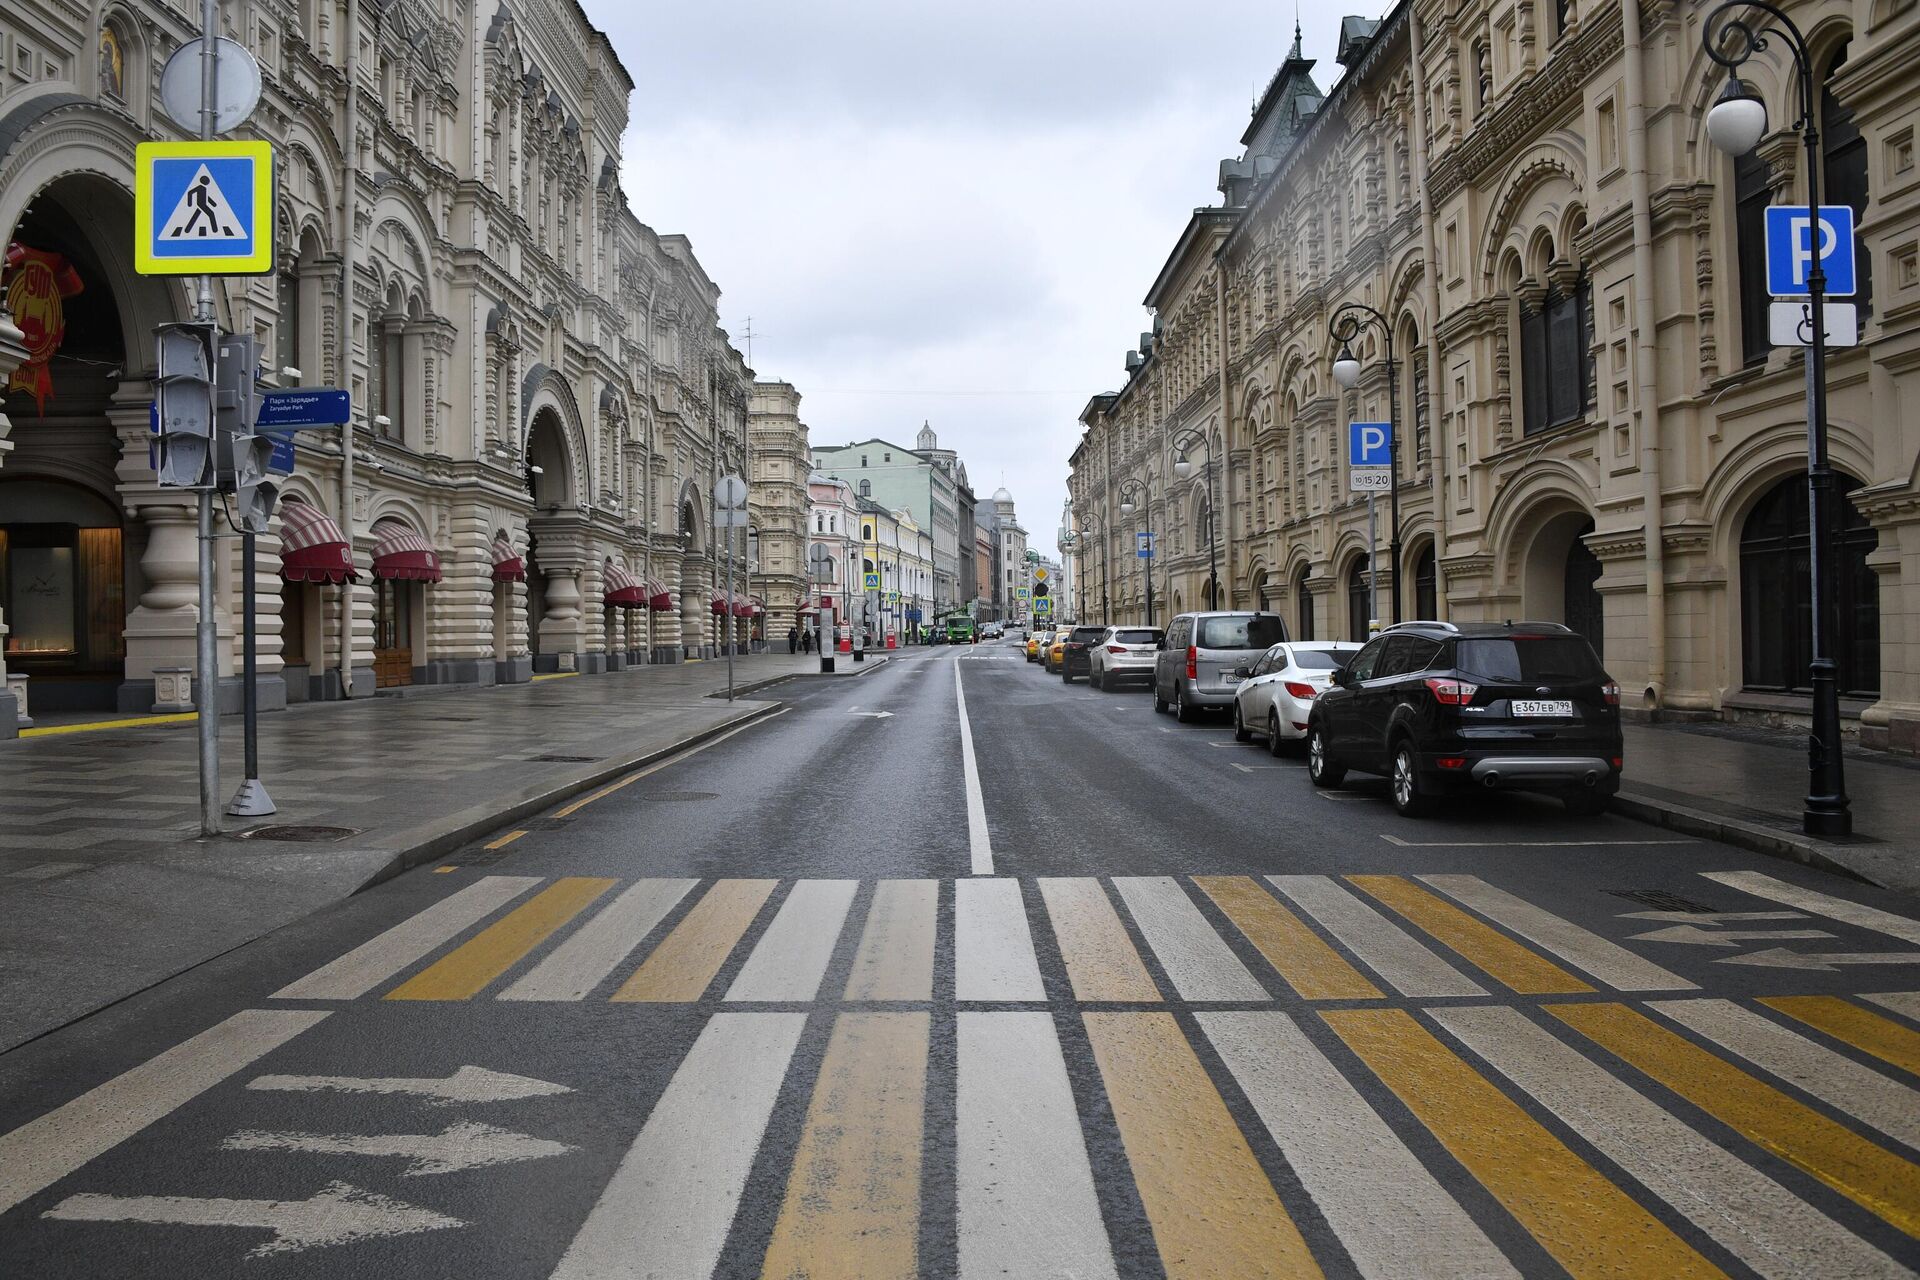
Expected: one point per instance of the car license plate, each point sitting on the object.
(1229, 679)
(1522, 708)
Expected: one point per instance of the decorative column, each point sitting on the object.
(695, 605)
(460, 621)
(560, 625)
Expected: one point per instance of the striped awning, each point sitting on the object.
(312, 548)
(619, 588)
(659, 598)
(755, 606)
(718, 601)
(507, 567)
(401, 553)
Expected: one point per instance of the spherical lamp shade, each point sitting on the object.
(1126, 507)
(1181, 467)
(1738, 120)
(1346, 369)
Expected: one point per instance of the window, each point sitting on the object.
(1551, 659)
(1253, 631)
(1425, 599)
(1750, 197)
(1365, 661)
(1305, 598)
(863, 459)
(1359, 602)
(866, 488)
(1844, 179)
(1556, 359)
(1776, 616)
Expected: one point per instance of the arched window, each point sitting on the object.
(1359, 605)
(1426, 598)
(1776, 609)
(1751, 195)
(1303, 603)
(1556, 358)
(866, 488)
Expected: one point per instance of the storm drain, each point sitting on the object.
(300, 835)
(564, 759)
(1661, 900)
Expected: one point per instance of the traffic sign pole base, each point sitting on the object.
(251, 801)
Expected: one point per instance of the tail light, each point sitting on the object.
(1452, 762)
(1117, 648)
(1611, 694)
(1452, 693)
(1193, 662)
(1304, 692)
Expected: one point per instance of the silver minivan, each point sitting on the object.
(1194, 668)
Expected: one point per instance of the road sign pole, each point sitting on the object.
(1373, 571)
(206, 689)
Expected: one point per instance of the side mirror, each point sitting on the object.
(1343, 677)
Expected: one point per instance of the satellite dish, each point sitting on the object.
(236, 86)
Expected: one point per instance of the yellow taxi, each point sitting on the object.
(1034, 639)
(1056, 650)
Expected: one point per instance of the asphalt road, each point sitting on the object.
(806, 1002)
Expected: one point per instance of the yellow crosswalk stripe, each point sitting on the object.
(1864, 1029)
(1312, 968)
(895, 958)
(1837, 1156)
(466, 971)
(1101, 961)
(1590, 1226)
(1506, 960)
(852, 1206)
(1214, 1214)
(683, 965)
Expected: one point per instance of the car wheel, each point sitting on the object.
(1588, 802)
(1093, 678)
(1183, 711)
(1066, 676)
(1409, 801)
(1240, 731)
(1321, 766)
(1276, 745)
(1159, 703)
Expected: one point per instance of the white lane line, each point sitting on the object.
(1345, 1155)
(979, 840)
(1408, 966)
(44, 1150)
(1834, 1078)
(791, 957)
(1759, 1221)
(666, 1210)
(1027, 1205)
(1904, 1003)
(1608, 961)
(583, 961)
(373, 962)
(992, 946)
(1521, 844)
(1201, 965)
(1257, 768)
(1820, 904)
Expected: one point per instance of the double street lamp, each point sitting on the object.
(1128, 489)
(1736, 123)
(1347, 324)
(1183, 468)
(1076, 539)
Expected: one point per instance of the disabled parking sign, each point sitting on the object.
(203, 208)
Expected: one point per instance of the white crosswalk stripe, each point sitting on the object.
(790, 960)
(1820, 904)
(993, 956)
(1608, 961)
(584, 960)
(1201, 966)
(368, 965)
(1408, 966)
(1904, 1003)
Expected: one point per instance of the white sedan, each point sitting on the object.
(1278, 691)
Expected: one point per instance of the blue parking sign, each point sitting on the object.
(1790, 250)
(1369, 444)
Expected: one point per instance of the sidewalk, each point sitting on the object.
(106, 886)
(1745, 786)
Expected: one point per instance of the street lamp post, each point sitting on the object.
(1127, 490)
(1183, 469)
(1347, 324)
(1736, 123)
(1090, 526)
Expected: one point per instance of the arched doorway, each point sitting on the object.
(554, 527)
(1776, 598)
(1359, 600)
(1580, 604)
(1426, 594)
(696, 587)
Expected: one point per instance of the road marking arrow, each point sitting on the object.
(467, 1145)
(468, 1084)
(1783, 958)
(1710, 917)
(1696, 936)
(869, 715)
(341, 1214)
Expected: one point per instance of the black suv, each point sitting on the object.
(1076, 654)
(1439, 708)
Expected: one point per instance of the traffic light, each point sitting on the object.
(243, 455)
(254, 488)
(1041, 590)
(184, 403)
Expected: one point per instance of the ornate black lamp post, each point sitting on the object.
(1127, 491)
(1183, 469)
(1347, 324)
(1089, 527)
(1736, 123)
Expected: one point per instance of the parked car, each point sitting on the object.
(1123, 653)
(1195, 664)
(1035, 639)
(1076, 651)
(1439, 708)
(1278, 693)
(1056, 650)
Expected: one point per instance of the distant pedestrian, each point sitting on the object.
(793, 639)
(806, 641)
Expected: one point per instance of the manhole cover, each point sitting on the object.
(564, 759)
(670, 797)
(1661, 900)
(300, 835)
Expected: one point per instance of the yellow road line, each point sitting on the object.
(1831, 1152)
(557, 675)
(1101, 961)
(465, 971)
(683, 965)
(895, 959)
(1506, 960)
(506, 840)
(1864, 1029)
(673, 759)
(1309, 965)
(1213, 1211)
(1590, 1226)
(48, 730)
(853, 1199)
(441, 871)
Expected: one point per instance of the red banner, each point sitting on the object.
(36, 283)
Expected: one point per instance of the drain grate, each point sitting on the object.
(564, 759)
(299, 834)
(672, 797)
(1661, 900)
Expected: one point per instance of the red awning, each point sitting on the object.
(312, 548)
(619, 588)
(659, 598)
(400, 553)
(507, 567)
(751, 607)
(718, 601)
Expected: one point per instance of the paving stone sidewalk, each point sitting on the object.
(106, 885)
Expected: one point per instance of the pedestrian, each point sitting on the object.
(793, 639)
(806, 641)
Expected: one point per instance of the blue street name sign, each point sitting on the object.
(302, 407)
(1790, 250)
(1143, 546)
(1369, 444)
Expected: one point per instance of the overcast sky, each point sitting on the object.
(944, 213)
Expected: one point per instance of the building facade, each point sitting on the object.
(542, 394)
(925, 481)
(1592, 425)
(779, 503)
(901, 553)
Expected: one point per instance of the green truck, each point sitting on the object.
(959, 628)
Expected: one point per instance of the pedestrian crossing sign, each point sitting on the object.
(203, 208)
(873, 582)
